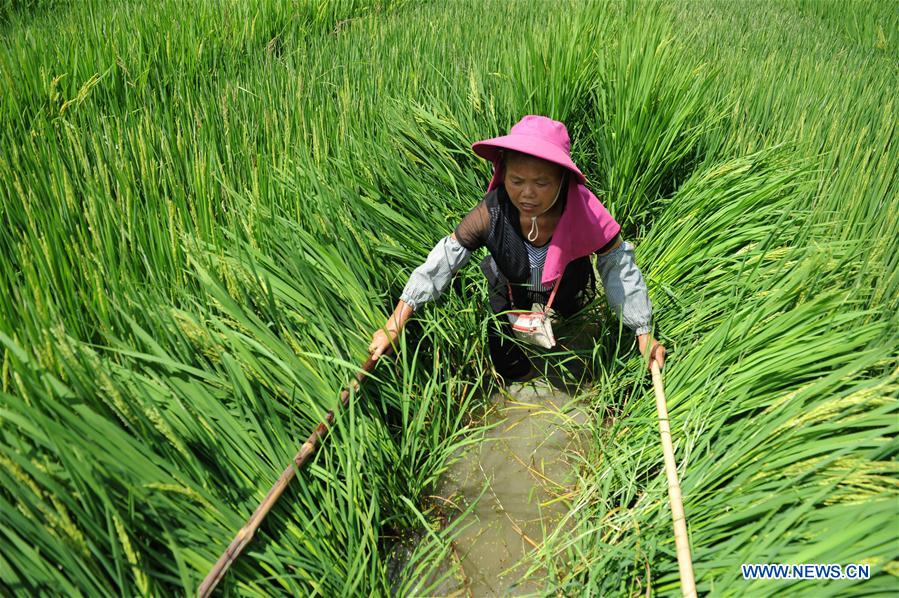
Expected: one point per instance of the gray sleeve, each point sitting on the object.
(430, 280)
(625, 288)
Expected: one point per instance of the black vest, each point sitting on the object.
(508, 261)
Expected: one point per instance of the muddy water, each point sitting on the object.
(522, 461)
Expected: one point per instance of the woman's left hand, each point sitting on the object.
(657, 352)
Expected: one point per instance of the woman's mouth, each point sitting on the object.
(528, 207)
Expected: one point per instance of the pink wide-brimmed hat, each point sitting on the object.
(537, 136)
(585, 225)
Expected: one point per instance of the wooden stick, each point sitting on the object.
(245, 534)
(681, 540)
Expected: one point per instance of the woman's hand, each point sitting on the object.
(657, 352)
(381, 342)
(383, 338)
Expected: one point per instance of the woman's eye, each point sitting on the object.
(541, 184)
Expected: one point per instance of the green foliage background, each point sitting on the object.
(208, 207)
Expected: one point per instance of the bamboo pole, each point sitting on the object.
(681, 540)
(245, 534)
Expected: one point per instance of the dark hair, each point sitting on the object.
(505, 154)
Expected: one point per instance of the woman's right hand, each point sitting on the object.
(381, 342)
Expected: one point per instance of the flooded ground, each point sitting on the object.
(522, 462)
(516, 480)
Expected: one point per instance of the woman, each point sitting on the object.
(540, 225)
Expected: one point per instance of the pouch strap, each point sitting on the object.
(552, 295)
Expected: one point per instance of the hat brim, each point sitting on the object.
(490, 149)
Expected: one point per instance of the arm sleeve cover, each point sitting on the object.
(625, 288)
(430, 280)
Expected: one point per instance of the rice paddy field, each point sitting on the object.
(208, 207)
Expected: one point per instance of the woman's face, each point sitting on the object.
(532, 183)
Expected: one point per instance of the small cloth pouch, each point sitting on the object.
(534, 326)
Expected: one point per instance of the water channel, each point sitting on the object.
(524, 462)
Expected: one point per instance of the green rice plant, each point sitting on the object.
(206, 213)
(650, 114)
(769, 401)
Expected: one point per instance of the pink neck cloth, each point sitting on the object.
(585, 226)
